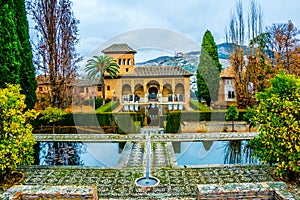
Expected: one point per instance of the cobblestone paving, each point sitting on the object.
(159, 155)
(136, 156)
(116, 183)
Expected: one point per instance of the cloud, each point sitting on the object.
(105, 19)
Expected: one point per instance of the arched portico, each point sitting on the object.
(167, 90)
(126, 92)
(179, 92)
(139, 90)
(153, 88)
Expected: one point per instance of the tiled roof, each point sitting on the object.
(86, 82)
(118, 48)
(228, 73)
(43, 79)
(158, 71)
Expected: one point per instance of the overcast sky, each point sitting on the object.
(103, 22)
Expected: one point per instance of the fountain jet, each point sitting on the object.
(147, 180)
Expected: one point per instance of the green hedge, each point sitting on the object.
(126, 122)
(173, 122)
(196, 105)
(174, 118)
(108, 107)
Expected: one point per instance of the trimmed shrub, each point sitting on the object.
(196, 105)
(98, 103)
(108, 107)
(232, 114)
(173, 122)
(124, 121)
(174, 118)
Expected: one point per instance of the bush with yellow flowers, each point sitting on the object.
(16, 139)
(278, 113)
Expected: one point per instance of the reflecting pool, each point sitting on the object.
(213, 152)
(103, 154)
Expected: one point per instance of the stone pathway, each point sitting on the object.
(156, 137)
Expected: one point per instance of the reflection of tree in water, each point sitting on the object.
(238, 152)
(207, 145)
(61, 153)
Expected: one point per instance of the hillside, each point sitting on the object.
(189, 61)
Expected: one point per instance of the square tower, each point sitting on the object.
(123, 54)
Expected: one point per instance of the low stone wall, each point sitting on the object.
(214, 126)
(262, 191)
(19, 192)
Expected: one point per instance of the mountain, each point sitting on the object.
(189, 61)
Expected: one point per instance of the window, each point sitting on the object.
(120, 61)
(228, 82)
(124, 61)
(128, 62)
(108, 87)
(41, 89)
(80, 89)
(231, 95)
(127, 69)
(99, 88)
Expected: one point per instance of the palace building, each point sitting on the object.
(143, 84)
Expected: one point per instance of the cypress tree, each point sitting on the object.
(27, 72)
(209, 68)
(9, 46)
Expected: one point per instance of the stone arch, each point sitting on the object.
(152, 91)
(167, 89)
(153, 83)
(126, 90)
(153, 88)
(139, 90)
(179, 91)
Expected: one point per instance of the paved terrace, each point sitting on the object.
(142, 137)
(119, 183)
(175, 182)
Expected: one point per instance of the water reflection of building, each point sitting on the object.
(213, 152)
(176, 147)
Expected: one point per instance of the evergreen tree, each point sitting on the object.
(9, 46)
(27, 72)
(208, 73)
